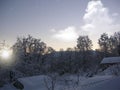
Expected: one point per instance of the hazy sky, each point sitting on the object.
(58, 22)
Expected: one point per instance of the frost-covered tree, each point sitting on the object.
(103, 42)
(108, 44)
(29, 53)
(119, 50)
(117, 37)
(84, 43)
(29, 45)
(117, 41)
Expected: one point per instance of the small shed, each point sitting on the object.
(107, 62)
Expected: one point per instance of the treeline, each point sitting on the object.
(35, 57)
(32, 56)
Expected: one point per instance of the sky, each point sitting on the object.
(58, 22)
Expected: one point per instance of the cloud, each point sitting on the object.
(53, 30)
(96, 21)
(67, 35)
(97, 18)
(115, 14)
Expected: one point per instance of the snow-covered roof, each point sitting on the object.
(110, 60)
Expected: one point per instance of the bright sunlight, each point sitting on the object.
(5, 53)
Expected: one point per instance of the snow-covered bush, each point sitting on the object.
(50, 81)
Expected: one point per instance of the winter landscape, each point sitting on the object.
(59, 45)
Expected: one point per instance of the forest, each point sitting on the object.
(32, 56)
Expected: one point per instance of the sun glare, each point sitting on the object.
(6, 53)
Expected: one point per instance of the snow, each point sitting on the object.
(112, 84)
(111, 60)
(30, 83)
(33, 83)
(105, 82)
(95, 80)
(8, 87)
(112, 70)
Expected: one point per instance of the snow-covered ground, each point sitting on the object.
(68, 82)
(112, 84)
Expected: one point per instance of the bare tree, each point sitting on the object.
(103, 42)
(119, 50)
(84, 43)
(109, 45)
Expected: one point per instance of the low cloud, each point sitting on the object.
(67, 35)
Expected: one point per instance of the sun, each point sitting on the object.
(5, 53)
